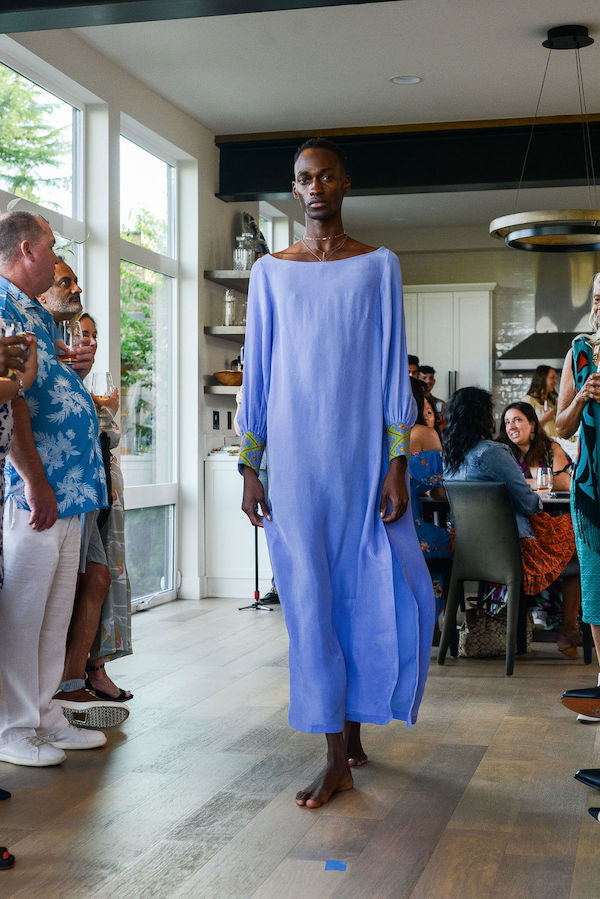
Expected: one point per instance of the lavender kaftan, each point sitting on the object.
(325, 377)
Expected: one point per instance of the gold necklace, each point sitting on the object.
(329, 237)
(328, 253)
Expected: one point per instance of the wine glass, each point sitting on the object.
(73, 338)
(102, 387)
(544, 480)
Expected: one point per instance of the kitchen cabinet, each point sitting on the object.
(229, 536)
(448, 326)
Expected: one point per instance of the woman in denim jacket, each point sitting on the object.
(547, 542)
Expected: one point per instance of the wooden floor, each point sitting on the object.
(194, 795)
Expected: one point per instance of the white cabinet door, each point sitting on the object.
(229, 536)
(436, 337)
(410, 323)
(472, 338)
(448, 327)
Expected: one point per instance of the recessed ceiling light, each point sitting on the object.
(406, 79)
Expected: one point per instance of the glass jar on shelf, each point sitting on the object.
(244, 253)
(229, 308)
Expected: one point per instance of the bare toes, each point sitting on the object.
(313, 803)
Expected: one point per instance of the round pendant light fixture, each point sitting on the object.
(556, 230)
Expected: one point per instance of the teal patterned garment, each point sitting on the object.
(585, 500)
(585, 494)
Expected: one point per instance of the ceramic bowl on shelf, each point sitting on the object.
(230, 378)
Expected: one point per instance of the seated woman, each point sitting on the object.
(425, 469)
(542, 396)
(547, 542)
(521, 431)
(430, 416)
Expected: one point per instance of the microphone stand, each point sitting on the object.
(256, 605)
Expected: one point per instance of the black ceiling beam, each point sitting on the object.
(480, 158)
(43, 15)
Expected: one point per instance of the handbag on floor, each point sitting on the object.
(483, 634)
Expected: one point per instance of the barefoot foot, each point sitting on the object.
(331, 780)
(357, 757)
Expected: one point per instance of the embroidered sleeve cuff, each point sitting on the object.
(398, 437)
(251, 450)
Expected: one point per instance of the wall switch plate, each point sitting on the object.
(229, 421)
(216, 420)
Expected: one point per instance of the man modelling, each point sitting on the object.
(326, 390)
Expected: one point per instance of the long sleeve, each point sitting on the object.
(399, 408)
(501, 465)
(252, 416)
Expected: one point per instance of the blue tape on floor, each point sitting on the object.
(332, 865)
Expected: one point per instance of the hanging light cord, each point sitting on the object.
(587, 138)
(535, 115)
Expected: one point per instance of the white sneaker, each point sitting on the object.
(69, 737)
(586, 719)
(31, 751)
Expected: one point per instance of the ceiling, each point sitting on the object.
(330, 68)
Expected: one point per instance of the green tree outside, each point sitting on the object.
(30, 144)
(139, 289)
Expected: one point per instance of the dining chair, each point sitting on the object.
(486, 548)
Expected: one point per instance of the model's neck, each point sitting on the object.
(324, 231)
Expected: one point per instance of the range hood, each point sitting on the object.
(546, 348)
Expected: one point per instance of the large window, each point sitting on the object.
(38, 143)
(149, 536)
(146, 375)
(146, 199)
(149, 273)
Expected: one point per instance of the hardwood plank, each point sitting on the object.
(194, 796)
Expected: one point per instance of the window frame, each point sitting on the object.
(166, 494)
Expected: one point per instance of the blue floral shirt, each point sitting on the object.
(63, 417)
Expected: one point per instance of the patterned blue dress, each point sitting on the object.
(426, 471)
(325, 377)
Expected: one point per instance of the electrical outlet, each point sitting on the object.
(216, 420)
(229, 421)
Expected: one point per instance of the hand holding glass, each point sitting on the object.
(72, 339)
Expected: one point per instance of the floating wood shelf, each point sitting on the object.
(229, 278)
(221, 389)
(234, 333)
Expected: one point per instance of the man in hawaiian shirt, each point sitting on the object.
(54, 474)
(63, 301)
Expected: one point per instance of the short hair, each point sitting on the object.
(321, 143)
(16, 227)
(413, 360)
(427, 369)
